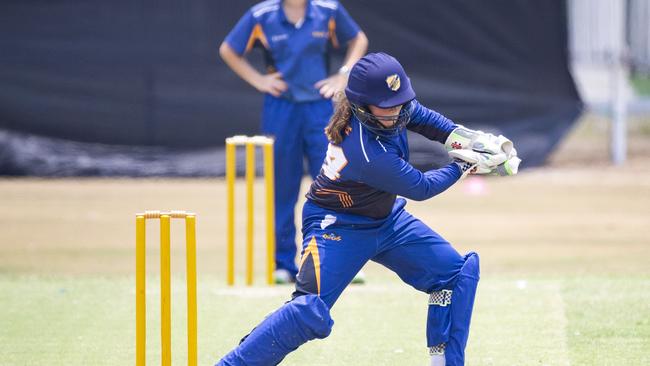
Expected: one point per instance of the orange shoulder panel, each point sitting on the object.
(257, 34)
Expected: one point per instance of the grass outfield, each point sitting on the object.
(541, 321)
(564, 256)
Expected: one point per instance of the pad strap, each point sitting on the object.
(438, 349)
(440, 298)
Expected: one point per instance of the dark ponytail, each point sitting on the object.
(340, 119)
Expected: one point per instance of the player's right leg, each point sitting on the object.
(281, 119)
(296, 322)
(426, 261)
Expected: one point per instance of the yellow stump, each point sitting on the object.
(165, 291)
(230, 181)
(269, 172)
(231, 146)
(165, 285)
(250, 207)
(140, 291)
(190, 230)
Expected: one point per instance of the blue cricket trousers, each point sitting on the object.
(401, 242)
(298, 129)
(335, 247)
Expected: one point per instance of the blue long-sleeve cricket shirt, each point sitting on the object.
(365, 172)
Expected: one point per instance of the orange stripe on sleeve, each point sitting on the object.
(332, 32)
(257, 34)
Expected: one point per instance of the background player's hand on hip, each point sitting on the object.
(333, 84)
(271, 84)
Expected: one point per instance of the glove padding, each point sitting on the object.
(510, 167)
(495, 155)
(484, 163)
(479, 141)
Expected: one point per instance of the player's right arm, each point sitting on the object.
(390, 173)
(265, 83)
(233, 50)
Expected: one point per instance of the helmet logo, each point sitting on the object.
(393, 82)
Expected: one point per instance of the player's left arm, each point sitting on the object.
(493, 154)
(390, 173)
(429, 123)
(343, 30)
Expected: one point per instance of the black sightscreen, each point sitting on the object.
(137, 87)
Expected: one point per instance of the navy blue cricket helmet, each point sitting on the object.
(379, 79)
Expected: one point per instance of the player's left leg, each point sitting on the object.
(426, 261)
(281, 119)
(331, 256)
(316, 115)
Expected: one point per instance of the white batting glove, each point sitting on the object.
(482, 163)
(510, 167)
(466, 168)
(463, 138)
(472, 162)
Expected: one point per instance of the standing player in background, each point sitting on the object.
(353, 215)
(295, 36)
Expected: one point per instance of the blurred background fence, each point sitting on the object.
(610, 52)
(136, 88)
(639, 35)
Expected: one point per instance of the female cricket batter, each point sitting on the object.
(353, 215)
(295, 36)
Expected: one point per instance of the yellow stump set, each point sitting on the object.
(190, 231)
(165, 285)
(267, 145)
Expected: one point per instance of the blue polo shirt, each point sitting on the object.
(297, 51)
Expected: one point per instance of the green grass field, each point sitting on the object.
(593, 320)
(564, 252)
